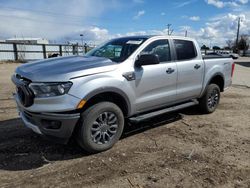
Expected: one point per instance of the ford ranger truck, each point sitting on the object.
(130, 78)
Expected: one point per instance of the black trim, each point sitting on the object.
(43, 120)
(112, 90)
(130, 76)
(151, 114)
(215, 57)
(212, 77)
(25, 95)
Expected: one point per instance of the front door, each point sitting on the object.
(155, 85)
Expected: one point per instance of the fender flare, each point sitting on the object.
(111, 90)
(207, 84)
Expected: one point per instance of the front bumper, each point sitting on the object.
(57, 126)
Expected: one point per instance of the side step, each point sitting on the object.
(147, 116)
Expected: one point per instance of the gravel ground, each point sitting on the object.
(185, 149)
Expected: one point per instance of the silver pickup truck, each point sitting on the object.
(131, 78)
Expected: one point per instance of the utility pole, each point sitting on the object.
(81, 35)
(238, 33)
(186, 33)
(170, 31)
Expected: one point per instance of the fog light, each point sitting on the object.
(51, 124)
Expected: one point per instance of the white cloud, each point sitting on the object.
(52, 19)
(195, 18)
(70, 19)
(185, 3)
(139, 14)
(215, 32)
(243, 1)
(92, 34)
(222, 4)
(217, 3)
(221, 28)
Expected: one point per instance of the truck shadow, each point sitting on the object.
(21, 149)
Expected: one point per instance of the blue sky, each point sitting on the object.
(211, 22)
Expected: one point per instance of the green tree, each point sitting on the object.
(204, 47)
(216, 48)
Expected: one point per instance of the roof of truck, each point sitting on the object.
(156, 36)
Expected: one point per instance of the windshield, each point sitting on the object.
(117, 50)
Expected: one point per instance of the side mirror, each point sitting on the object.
(147, 59)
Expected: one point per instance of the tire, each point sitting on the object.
(101, 126)
(211, 99)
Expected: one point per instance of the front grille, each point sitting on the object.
(24, 93)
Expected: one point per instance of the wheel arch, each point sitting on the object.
(218, 79)
(110, 94)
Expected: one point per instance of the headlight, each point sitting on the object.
(50, 89)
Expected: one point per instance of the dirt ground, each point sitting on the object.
(185, 149)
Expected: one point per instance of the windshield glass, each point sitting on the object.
(117, 50)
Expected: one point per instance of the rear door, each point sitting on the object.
(155, 85)
(190, 67)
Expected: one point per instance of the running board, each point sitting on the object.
(163, 111)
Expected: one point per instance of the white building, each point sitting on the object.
(28, 40)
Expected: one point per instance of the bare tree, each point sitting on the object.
(230, 44)
(243, 44)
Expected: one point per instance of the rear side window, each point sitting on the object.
(185, 50)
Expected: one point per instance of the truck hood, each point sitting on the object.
(65, 68)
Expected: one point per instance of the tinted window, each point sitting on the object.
(185, 49)
(160, 48)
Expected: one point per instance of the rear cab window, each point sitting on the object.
(185, 50)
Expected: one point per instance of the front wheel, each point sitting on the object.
(211, 99)
(100, 127)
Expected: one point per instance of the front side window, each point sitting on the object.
(117, 50)
(160, 48)
(185, 50)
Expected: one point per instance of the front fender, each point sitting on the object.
(87, 87)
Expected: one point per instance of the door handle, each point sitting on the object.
(197, 66)
(169, 71)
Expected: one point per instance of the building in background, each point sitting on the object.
(28, 40)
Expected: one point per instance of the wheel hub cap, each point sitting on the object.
(213, 99)
(104, 128)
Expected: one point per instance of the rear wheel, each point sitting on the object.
(211, 99)
(100, 127)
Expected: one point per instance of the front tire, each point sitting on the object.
(101, 126)
(211, 99)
